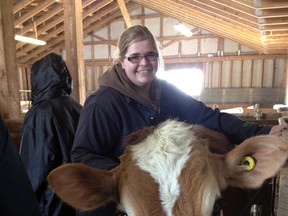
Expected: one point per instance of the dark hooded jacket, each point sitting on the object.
(16, 195)
(48, 129)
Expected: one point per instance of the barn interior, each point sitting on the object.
(234, 58)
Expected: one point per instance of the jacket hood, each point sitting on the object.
(116, 78)
(50, 78)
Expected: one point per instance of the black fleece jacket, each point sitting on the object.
(48, 129)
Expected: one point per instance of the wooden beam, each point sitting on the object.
(43, 19)
(113, 14)
(268, 4)
(56, 37)
(96, 7)
(191, 15)
(223, 10)
(241, 21)
(21, 4)
(9, 83)
(124, 12)
(279, 13)
(273, 21)
(74, 47)
(33, 12)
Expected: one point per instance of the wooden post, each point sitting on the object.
(74, 47)
(9, 83)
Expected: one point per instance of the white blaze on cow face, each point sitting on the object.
(163, 155)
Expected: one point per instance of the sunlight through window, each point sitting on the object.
(188, 80)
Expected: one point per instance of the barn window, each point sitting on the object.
(189, 80)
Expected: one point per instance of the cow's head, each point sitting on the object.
(169, 170)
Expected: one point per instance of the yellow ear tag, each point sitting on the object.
(248, 163)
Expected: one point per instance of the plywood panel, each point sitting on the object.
(257, 71)
(170, 50)
(168, 28)
(101, 51)
(153, 25)
(236, 74)
(268, 73)
(189, 47)
(279, 73)
(246, 49)
(230, 46)
(246, 78)
(87, 49)
(216, 75)
(226, 74)
(209, 45)
(117, 28)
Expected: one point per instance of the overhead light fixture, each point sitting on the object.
(29, 40)
(183, 29)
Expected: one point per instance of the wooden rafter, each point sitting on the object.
(259, 24)
(124, 12)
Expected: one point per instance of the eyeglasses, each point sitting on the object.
(138, 58)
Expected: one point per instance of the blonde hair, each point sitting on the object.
(131, 35)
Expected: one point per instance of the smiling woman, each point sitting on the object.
(131, 97)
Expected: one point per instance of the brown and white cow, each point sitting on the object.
(169, 170)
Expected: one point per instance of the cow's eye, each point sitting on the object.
(217, 208)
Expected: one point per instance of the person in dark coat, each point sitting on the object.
(48, 129)
(131, 97)
(16, 194)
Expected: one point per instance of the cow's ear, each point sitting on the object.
(83, 187)
(255, 160)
